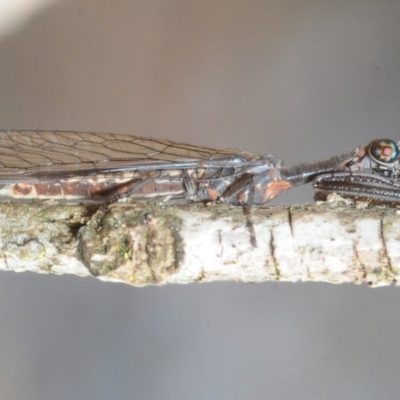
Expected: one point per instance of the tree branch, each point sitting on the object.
(142, 244)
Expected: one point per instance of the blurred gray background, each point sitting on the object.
(303, 80)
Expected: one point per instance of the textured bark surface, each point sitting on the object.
(142, 244)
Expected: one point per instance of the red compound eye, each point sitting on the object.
(383, 151)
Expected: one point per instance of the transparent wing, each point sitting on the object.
(53, 154)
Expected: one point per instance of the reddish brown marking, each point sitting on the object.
(48, 189)
(242, 197)
(100, 188)
(212, 194)
(176, 186)
(22, 189)
(75, 188)
(274, 188)
(148, 189)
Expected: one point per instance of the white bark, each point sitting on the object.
(142, 244)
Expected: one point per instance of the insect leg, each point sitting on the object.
(365, 187)
(238, 191)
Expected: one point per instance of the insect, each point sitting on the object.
(77, 167)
